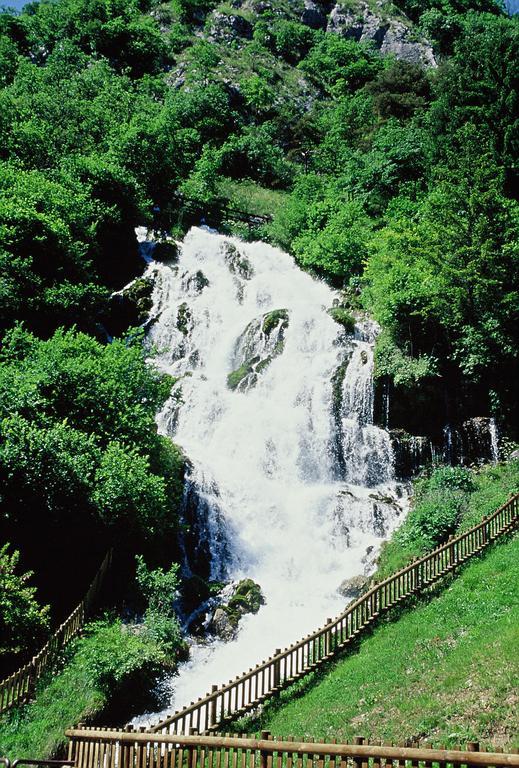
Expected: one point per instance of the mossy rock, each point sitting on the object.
(184, 318)
(235, 378)
(272, 320)
(253, 368)
(277, 319)
(165, 250)
(139, 294)
(247, 598)
(343, 317)
(198, 281)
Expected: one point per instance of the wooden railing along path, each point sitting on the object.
(19, 687)
(102, 748)
(253, 688)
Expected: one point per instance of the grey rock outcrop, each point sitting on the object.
(313, 15)
(389, 34)
(229, 26)
(222, 625)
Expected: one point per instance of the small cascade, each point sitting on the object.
(367, 455)
(494, 440)
(290, 482)
(471, 442)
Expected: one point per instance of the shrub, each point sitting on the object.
(23, 622)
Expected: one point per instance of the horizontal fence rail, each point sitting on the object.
(248, 691)
(103, 748)
(19, 687)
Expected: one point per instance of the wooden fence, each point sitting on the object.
(103, 748)
(19, 687)
(253, 688)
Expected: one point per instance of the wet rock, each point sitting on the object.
(204, 536)
(130, 306)
(379, 522)
(165, 250)
(275, 320)
(258, 345)
(197, 282)
(389, 34)
(184, 319)
(238, 264)
(222, 625)
(354, 587)
(411, 452)
(246, 598)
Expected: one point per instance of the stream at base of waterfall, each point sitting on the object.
(289, 483)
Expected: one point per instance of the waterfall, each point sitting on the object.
(494, 440)
(290, 482)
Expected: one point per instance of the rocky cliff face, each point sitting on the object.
(390, 33)
(375, 21)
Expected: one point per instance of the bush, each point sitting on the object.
(23, 622)
(110, 658)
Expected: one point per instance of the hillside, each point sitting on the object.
(446, 672)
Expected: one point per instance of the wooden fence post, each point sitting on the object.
(212, 708)
(277, 669)
(328, 639)
(357, 740)
(263, 753)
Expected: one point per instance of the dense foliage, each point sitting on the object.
(110, 659)
(80, 458)
(22, 620)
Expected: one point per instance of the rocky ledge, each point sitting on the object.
(390, 34)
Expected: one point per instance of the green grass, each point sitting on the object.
(447, 671)
(251, 198)
(108, 660)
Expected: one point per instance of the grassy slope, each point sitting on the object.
(97, 665)
(447, 671)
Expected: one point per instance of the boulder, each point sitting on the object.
(258, 345)
(246, 597)
(165, 250)
(354, 587)
(222, 625)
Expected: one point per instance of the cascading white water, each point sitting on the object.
(296, 482)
